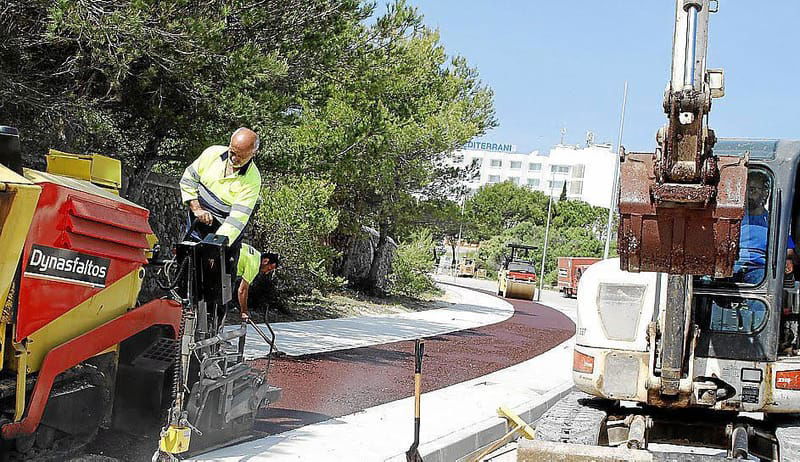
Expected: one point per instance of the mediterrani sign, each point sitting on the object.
(486, 146)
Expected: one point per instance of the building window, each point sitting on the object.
(575, 188)
(578, 170)
(514, 179)
(516, 164)
(496, 163)
(559, 168)
(556, 186)
(535, 167)
(533, 182)
(494, 178)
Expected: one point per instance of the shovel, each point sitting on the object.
(413, 455)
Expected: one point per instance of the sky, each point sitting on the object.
(555, 64)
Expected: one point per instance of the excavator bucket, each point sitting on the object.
(680, 228)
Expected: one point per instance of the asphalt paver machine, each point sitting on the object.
(690, 337)
(78, 351)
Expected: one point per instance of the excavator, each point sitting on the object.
(690, 339)
(78, 351)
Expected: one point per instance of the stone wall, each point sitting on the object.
(161, 195)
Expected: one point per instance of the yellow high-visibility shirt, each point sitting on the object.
(249, 263)
(231, 198)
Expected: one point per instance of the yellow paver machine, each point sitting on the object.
(78, 351)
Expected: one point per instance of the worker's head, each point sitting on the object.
(269, 262)
(757, 190)
(244, 145)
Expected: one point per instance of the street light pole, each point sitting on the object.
(546, 235)
(615, 184)
(460, 228)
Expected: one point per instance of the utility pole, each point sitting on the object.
(460, 228)
(615, 184)
(546, 235)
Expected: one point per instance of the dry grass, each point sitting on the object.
(346, 304)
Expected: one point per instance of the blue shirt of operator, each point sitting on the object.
(753, 248)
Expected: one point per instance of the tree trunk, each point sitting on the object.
(135, 185)
(372, 282)
(137, 181)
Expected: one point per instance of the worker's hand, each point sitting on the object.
(245, 317)
(789, 266)
(204, 216)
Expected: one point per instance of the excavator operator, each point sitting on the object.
(749, 267)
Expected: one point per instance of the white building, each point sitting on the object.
(587, 170)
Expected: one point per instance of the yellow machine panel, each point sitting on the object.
(97, 168)
(18, 198)
(109, 304)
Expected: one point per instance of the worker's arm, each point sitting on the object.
(200, 213)
(244, 290)
(190, 182)
(241, 210)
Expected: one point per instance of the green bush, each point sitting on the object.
(411, 266)
(294, 221)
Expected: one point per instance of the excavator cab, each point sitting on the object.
(753, 315)
(745, 316)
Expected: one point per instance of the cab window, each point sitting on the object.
(731, 314)
(750, 266)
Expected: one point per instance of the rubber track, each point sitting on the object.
(570, 421)
(788, 442)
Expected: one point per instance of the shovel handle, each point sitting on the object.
(419, 350)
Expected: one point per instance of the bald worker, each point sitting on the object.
(221, 188)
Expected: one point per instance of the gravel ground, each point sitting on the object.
(345, 304)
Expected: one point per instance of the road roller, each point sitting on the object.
(517, 276)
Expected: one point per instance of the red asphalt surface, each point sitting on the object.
(323, 386)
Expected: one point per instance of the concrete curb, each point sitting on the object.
(457, 446)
